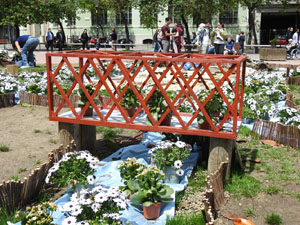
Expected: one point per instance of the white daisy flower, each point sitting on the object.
(71, 220)
(95, 207)
(101, 197)
(91, 179)
(180, 144)
(76, 210)
(258, 112)
(83, 223)
(180, 172)
(94, 166)
(69, 206)
(177, 164)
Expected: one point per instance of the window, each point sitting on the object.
(100, 18)
(229, 17)
(71, 22)
(174, 14)
(120, 20)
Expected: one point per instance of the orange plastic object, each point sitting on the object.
(241, 221)
(133, 65)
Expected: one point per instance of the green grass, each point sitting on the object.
(35, 69)
(186, 219)
(4, 148)
(294, 194)
(38, 162)
(53, 141)
(37, 131)
(178, 198)
(273, 219)
(48, 132)
(14, 178)
(271, 190)
(6, 216)
(245, 131)
(109, 134)
(249, 212)
(197, 181)
(242, 184)
(22, 170)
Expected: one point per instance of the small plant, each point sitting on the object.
(271, 190)
(170, 154)
(4, 148)
(48, 132)
(249, 212)
(197, 181)
(186, 219)
(40, 214)
(74, 168)
(129, 99)
(129, 169)
(14, 178)
(109, 134)
(22, 170)
(38, 162)
(273, 219)
(53, 141)
(33, 88)
(274, 41)
(99, 204)
(150, 188)
(6, 216)
(36, 131)
(83, 99)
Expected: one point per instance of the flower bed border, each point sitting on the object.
(7, 100)
(35, 99)
(214, 194)
(281, 134)
(293, 80)
(17, 194)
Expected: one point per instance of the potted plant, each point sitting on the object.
(157, 107)
(97, 206)
(214, 108)
(83, 99)
(168, 156)
(129, 101)
(151, 192)
(39, 214)
(274, 41)
(76, 168)
(129, 169)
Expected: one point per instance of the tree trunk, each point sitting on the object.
(252, 30)
(61, 27)
(126, 30)
(186, 29)
(17, 31)
(102, 31)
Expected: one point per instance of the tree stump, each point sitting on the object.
(83, 135)
(220, 150)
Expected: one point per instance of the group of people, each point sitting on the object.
(59, 39)
(208, 41)
(292, 40)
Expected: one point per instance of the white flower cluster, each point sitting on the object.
(8, 83)
(93, 163)
(98, 200)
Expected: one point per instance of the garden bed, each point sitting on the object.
(7, 100)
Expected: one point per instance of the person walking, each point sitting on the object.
(26, 44)
(156, 41)
(113, 39)
(241, 41)
(49, 38)
(289, 34)
(60, 39)
(178, 38)
(166, 35)
(85, 40)
(296, 36)
(218, 37)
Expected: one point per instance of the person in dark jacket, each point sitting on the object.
(241, 41)
(289, 34)
(156, 41)
(60, 39)
(113, 39)
(85, 40)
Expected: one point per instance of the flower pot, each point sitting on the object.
(129, 112)
(88, 112)
(152, 212)
(204, 126)
(171, 176)
(166, 121)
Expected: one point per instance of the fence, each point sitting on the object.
(16, 194)
(7, 100)
(214, 195)
(293, 80)
(282, 134)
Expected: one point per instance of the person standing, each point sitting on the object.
(178, 38)
(49, 38)
(289, 34)
(296, 36)
(241, 41)
(203, 38)
(156, 41)
(218, 37)
(113, 39)
(26, 44)
(166, 35)
(60, 39)
(85, 40)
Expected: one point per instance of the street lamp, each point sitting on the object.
(97, 18)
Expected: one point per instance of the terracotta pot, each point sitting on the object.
(88, 112)
(152, 212)
(166, 121)
(130, 112)
(204, 126)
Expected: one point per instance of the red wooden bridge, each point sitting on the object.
(144, 73)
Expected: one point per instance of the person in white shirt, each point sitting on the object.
(296, 36)
(203, 37)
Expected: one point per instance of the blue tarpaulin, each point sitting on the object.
(109, 175)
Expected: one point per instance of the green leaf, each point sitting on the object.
(138, 198)
(148, 203)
